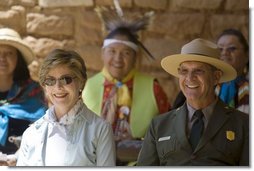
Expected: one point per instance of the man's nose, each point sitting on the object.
(190, 75)
(2, 56)
(224, 51)
(119, 56)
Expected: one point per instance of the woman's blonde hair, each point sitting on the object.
(64, 57)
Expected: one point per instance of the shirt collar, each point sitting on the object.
(68, 118)
(207, 111)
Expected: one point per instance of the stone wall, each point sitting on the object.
(73, 24)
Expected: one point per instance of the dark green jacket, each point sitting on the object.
(215, 146)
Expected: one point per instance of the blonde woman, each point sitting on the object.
(69, 134)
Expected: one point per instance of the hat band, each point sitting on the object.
(107, 42)
(198, 54)
(9, 35)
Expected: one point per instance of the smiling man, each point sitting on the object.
(120, 93)
(204, 131)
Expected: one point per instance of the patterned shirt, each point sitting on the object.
(161, 99)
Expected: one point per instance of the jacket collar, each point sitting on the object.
(219, 116)
(180, 126)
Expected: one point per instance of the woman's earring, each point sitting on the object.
(80, 92)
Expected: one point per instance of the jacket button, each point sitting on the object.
(193, 157)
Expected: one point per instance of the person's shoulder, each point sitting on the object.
(29, 81)
(233, 113)
(93, 81)
(95, 76)
(94, 123)
(224, 108)
(144, 75)
(239, 114)
(92, 117)
(34, 127)
(30, 84)
(165, 117)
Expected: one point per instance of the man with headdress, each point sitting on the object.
(123, 96)
(204, 131)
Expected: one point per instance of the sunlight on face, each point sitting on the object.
(8, 60)
(197, 81)
(118, 58)
(232, 52)
(62, 88)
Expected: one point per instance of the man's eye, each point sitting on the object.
(231, 49)
(9, 53)
(111, 51)
(127, 53)
(199, 71)
(182, 71)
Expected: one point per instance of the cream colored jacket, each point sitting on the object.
(90, 142)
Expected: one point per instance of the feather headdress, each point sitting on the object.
(114, 19)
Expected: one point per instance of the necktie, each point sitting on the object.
(197, 129)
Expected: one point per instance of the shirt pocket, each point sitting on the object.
(167, 147)
(227, 144)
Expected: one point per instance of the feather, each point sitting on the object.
(119, 10)
(113, 19)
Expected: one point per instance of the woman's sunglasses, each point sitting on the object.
(64, 80)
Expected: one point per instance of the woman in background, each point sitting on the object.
(235, 51)
(21, 99)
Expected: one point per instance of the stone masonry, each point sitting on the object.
(73, 24)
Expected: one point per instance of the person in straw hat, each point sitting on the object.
(234, 50)
(21, 99)
(204, 131)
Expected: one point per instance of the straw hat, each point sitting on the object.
(199, 50)
(12, 38)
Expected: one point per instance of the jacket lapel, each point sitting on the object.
(217, 120)
(40, 151)
(180, 127)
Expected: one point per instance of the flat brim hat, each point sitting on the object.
(199, 50)
(12, 38)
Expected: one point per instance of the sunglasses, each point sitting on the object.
(64, 80)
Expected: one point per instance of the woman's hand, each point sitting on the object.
(8, 160)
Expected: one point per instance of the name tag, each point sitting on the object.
(164, 138)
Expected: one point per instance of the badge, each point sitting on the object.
(230, 135)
